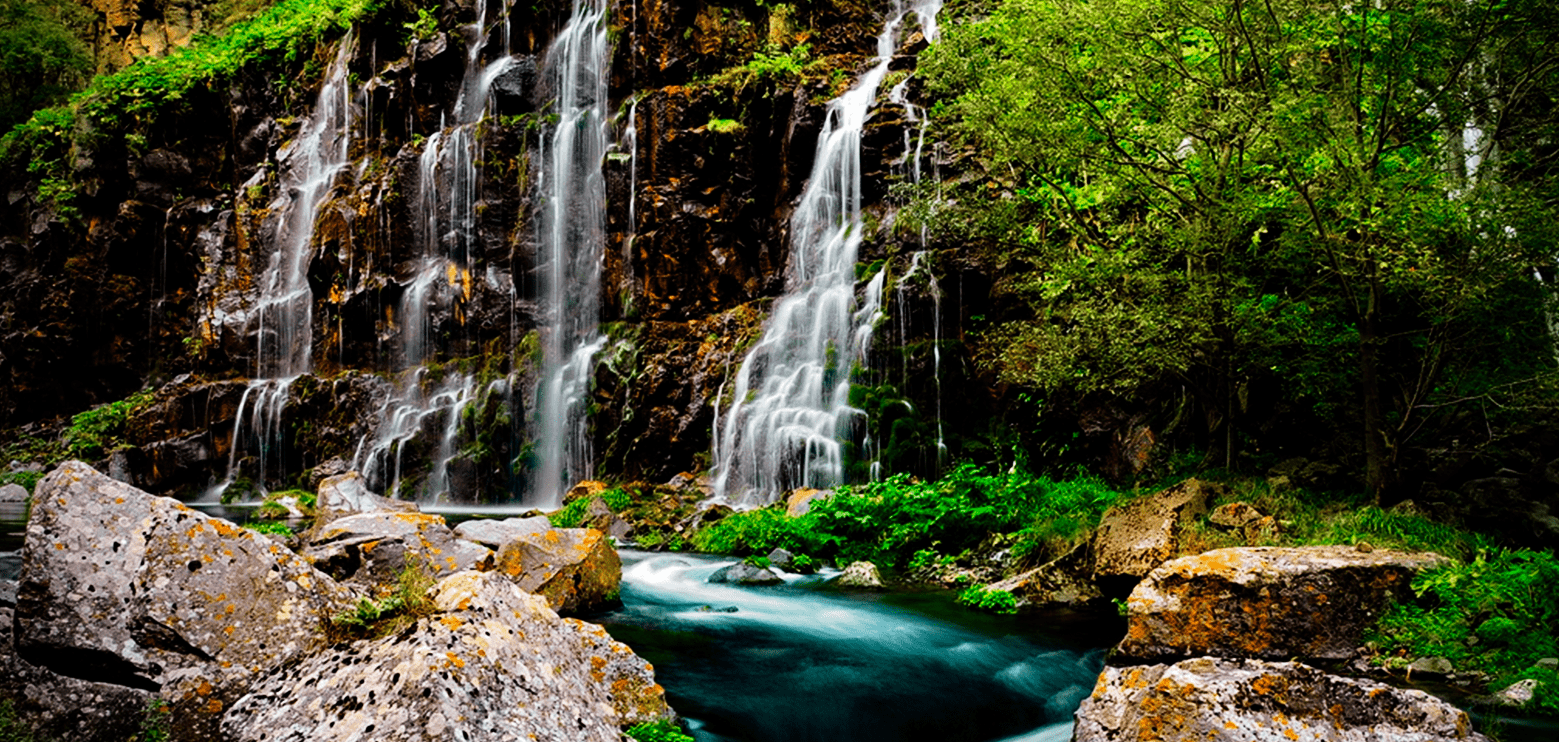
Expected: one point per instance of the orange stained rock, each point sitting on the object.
(204, 689)
(451, 622)
(455, 660)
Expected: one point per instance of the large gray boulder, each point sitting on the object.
(575, 569)
(61, 707)
(494, 663)
(13, 493)
(495, 533)
(1266, 602)
(742, 573)
(121, 587)
(373, 548)
(348, 494)
(1207, 699)
(1139, 535)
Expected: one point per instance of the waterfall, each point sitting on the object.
(572, 241)
(790, 410)
(283, 312)
(447, 194)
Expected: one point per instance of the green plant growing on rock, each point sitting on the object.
(13, 729)
(269, 529)
(425, 27)
(724, 126)
(154, 725)
(95, 432)
(657, 731)
(999, 602)
(407, 601)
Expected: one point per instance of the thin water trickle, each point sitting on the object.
(573, 240)
(790, 415)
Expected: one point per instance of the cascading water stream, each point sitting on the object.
(447, 195)
(283, 314)
(572, 237)
(790, 410)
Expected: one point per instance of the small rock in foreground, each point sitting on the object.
(742, 573)
(860, 575)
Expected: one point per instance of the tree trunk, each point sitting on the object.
(1376, 467)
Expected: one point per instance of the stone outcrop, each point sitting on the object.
(492, 664)
(742, 573)
(575, 569)
(495, 533)
(348, 494)
(66, 708)
(1135, 537)
(1062, 583)
(859, 575)
(1266, 602)
(1218, 700)
(120, 587)
(372, 548)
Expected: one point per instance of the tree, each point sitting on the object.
(41, 60)
(1255, 181)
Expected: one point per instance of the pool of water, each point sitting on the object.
(802, 662)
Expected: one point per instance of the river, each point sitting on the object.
(800, 662)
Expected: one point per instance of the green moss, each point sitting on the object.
(658, 731)
(95, 432)
(13, 729)
(989, 601)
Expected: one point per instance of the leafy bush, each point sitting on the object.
(573, 514)
(990, 601)
(1505, 600)
(889, 522)
(278, 529)
(95, 432)
(657, 731)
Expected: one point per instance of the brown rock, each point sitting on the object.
(373, 548)
(1135, 537)
(1234, 515)
(1061, 583)
(575, 569)
(1266, 602)
(1214, 699)
(798, 502)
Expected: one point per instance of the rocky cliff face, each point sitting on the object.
(153, 271)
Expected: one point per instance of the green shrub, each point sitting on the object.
(278, 529)
(1506, 600)
(990, 601)
(657, 731)
(573, 514)
(97, 431)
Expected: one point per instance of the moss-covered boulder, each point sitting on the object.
(1266, 602)
(575, 569)
(492, 663)
(1216, 699)
(1139, 535)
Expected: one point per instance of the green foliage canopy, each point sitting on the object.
(1203, 193)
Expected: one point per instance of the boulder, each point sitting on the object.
(1234, 515)
(599, 516)
(495, 533)
(1517, 694)
(575, 569)
(1059, 584)
(493, 663)
(1266, 602)
(347, 494)
(1217, 699)
(121, 587)
(7, 593)
(742, 573)
(13, 493)
(513, 88)
(61, 707)
(782, 559)
(372, 548)
(1137, 536)
(798, 502)
(1431, 667)
(860, 575)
